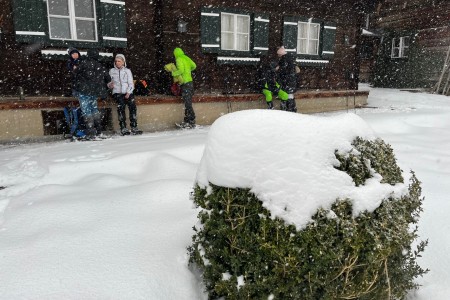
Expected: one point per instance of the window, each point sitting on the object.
(311, 40)
(72, 20)
(400, 47)
(308, 38)
(73, 23)
(236, 36)
(235, 32)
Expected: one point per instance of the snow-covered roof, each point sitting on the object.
(228, 58)
(370, 33)
(64, 52)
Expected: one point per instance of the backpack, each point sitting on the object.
(74, 127)
(175, 88)
(141, 88)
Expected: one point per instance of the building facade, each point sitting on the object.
(413, 44)
(227, 39)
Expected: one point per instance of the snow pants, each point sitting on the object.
(91, 114)
(121, 103)
(187, 91)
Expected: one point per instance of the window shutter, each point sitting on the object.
(260, 34)
(290, 27)
(210, 30)
(113, 23)
(30, 21)
(329, 40)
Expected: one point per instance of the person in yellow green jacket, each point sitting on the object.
(185, 65)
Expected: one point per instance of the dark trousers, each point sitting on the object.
(187, 91)
(291, 106)
(121, 102)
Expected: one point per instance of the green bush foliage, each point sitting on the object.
(367, 155)
(337, 256)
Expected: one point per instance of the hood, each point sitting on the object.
(121, 56)
(73, 50)
(93, 54)
(178, 52)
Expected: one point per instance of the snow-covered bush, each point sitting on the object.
(245, 249)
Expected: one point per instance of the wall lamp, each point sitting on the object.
(182, 26)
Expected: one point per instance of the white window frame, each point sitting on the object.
(308, 38)
(72, 21)
(235, 32)
(402, 49)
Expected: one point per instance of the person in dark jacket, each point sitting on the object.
(72, 63)
(287, 77)
(268, 84)
(91, 80)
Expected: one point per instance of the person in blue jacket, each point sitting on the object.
(72, 63)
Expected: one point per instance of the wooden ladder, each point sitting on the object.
(445, 69)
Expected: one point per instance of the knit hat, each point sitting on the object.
(281, 51)
(122, 57)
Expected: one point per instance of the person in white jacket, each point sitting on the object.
(122, 89)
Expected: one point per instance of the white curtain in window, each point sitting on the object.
(243, 27)
(302, 38)
(308, 38)
(227, 32)
(405, 46)
(396, 48)
(314, 31)
(235, 32)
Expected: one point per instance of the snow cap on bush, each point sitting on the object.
(288, 160)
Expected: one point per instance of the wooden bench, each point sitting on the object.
(35, 117)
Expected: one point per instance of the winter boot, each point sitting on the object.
(98, 123)
(135, 131)
(186, 125)
(270, 105)
(283, 105)
(90, 127)
(291, 105)
(124, 131)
